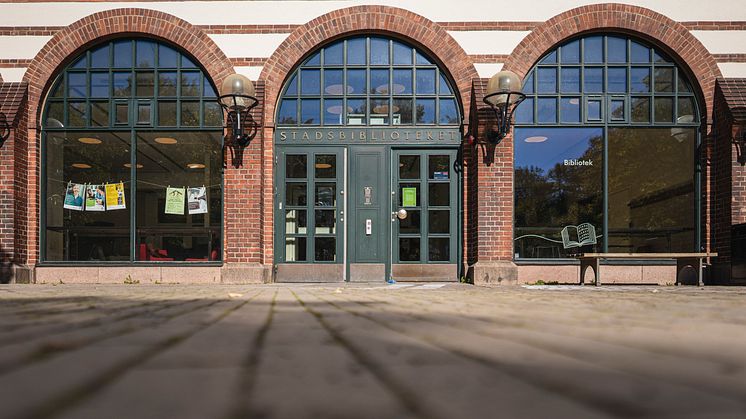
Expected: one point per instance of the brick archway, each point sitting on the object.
(658, 29)
(71, 40)
(381, 19)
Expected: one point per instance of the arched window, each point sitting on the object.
(132, 161)
(605, 147)
(368, 81)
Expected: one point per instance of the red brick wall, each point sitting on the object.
(723, 161)
(26, 189)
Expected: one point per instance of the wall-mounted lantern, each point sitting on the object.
(237, 98)
(4, 129)
(503, 96)
(739, 140)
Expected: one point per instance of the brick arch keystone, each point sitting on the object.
(397, 22)
(70, 41)
(654, 27)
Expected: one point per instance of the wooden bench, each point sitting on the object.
(683, 260)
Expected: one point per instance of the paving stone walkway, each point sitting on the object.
(371, 351)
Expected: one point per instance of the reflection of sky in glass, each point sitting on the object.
(561, 144)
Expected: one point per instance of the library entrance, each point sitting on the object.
(367, 175)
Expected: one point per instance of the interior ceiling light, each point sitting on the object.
(536, 139)
(81, 165)
(323, 166)
(196, 166)
(129, 165)
(165, 140)
(337, 109)
(336, 89)
(89, 140)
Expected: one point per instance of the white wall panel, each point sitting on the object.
(733, 69)
(21, 46)
(251, 72)
(12, 74)
(487, 70)
(488, 42)
(251, 45)
(722, 42)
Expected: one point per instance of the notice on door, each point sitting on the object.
(409, 197)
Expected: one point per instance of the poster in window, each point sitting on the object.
(197, 200)
(74, 196)
(115, 196)
(174, 201)
(409, 197)
(95, 198)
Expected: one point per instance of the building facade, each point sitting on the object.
(372, 152)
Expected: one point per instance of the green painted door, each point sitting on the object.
(425, 208)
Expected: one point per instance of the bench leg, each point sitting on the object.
(695, 263)
(586, 263)
(597, 269)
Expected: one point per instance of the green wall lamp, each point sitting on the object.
(237, 98)
(503, 96)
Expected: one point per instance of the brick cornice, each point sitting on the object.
(73, 39)
(658, 29)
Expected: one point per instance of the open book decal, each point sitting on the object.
(578, 236)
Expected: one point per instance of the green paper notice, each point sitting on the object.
(409, 197)
(175, 201)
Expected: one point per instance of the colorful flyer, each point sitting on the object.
(74, 196)
(174, 201)
(95, 198)
(197, 200)
(409, 197)
(115, 196)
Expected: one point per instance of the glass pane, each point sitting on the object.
(122, 113)
(402, 112)
(593, 49)
(616, 49)
(411, 224)
(315, 60)
(167, 114)
(409, 249)
(310, 111)
(122, 84)
(296, 222)
(420, 59)
(594, 80)
(616, 110)
(439, 249)
(295, 194)
(439, 194)
(288, 112)
(438, 167)
(402, 54)
(547, 80)
(333, 84)
(334, 54)
(654, 212)
(326, 222)
(356, 51)
(99, 84)
(663, 109)
(524, 114)
(292, 88)
(379, 51)
(59, 89)
(122, 54)
(145, 54)
(409, 167)
(187, 63)
(448, 112)
(571, 52)
(356, 111)
(664, 79)
(55, 115)
(686, 110)
(100, 114)
(325, 249)
(639, 53)
(76, 114)
(295, 249)
(660, 57)
(528, 84)
(81, 63)
(326, 194)
(379, 82)
(326, 166)
(145, 84)
(333, 112)
(143, 113)
(425, 81)
(640, 109)
(190, 83)
(617, 82)
(167, 83)
(445, 89)
(570, 82)
(167, 56)
(410, 190)
(402, 82)
(100, 57)
(594, 110)
(310, 82)
(640, 82)
(213, 114)
(547, 110)
(550, 58)
(76, 85)
(683, 84)
(379, 112)
(296, 166)
(570, 110)
(189, 114)
(439, 221)
(425, 111)
(356, 82)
